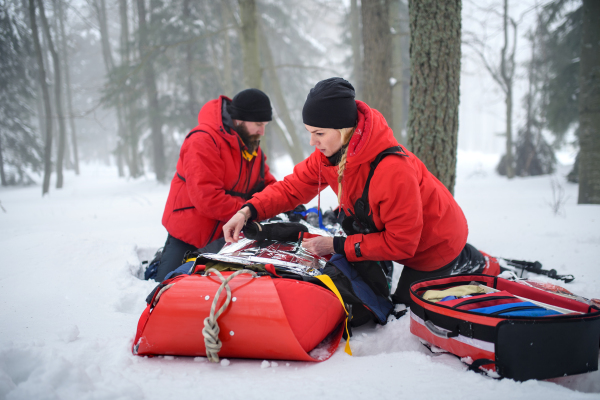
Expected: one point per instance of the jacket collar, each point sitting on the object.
(214, 115)
(371, 136)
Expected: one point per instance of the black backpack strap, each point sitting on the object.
(397, 150)
(361, 207)
(188, 135)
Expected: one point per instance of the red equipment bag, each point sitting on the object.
(282, 319)
(518, 348)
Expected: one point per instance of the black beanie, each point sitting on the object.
(330, 104)
(250, 105)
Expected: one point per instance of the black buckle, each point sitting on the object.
(357, 250)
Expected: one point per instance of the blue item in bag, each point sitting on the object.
(524, 309)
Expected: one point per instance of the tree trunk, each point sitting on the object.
(46, 97)
(357, 58)
(152, 94)
(130, 135)
(68, 88)
(589, 106)
(2, 174)
(507, 72)
(377, 50)
(249, 39)
(250, 52)
(189, 59)
(57, 99)
(397, 71)
(289, 136)
(100, 8)
(510, 168)
(227, 67)
(435, 40)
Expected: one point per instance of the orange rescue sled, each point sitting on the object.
(267, 318)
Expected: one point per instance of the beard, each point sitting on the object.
(251, 141)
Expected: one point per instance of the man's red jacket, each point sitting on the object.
(421, 225)
(210, 163)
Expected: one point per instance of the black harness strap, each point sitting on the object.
(363, 215)
(188, 135)
(258, 187)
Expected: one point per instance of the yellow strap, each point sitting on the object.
(329, 283)
(190, 259)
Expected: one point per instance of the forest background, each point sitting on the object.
(121, 81)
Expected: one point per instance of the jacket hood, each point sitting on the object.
(211, 116)
(371, 137)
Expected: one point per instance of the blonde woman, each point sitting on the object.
(408, 216)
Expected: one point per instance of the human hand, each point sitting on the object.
(320, 245)
(234, 226)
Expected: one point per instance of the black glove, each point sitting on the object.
(283, 232)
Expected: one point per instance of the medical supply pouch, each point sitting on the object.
(550, 336)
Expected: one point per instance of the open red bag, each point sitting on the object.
(516, 347)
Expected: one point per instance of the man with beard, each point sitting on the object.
(220, 166)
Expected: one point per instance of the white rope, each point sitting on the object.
(211, 328)
(164, 289)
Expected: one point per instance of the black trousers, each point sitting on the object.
(469, 261)
(175, 249)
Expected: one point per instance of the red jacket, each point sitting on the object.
(210, 163)
(421, 225)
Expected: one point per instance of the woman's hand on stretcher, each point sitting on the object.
(234, 226)
(320, 245)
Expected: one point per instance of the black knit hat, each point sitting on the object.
(330, 104)
(251, 105)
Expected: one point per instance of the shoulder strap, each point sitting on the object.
(362, 210)
(188, 135)
(397, 150)
(200, 130)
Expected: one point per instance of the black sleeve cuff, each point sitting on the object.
(253, 212)
(338, 245)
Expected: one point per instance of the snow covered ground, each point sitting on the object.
(70, 298)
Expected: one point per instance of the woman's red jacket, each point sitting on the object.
(421, 225)
(210, 163)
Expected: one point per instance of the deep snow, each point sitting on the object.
(70, 298)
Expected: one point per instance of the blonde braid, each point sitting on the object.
(346, 136)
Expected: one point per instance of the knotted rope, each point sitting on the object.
(211, 327)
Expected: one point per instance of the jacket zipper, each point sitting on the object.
(241, 165)
(213, 233)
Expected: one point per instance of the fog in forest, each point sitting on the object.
(133, 75)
